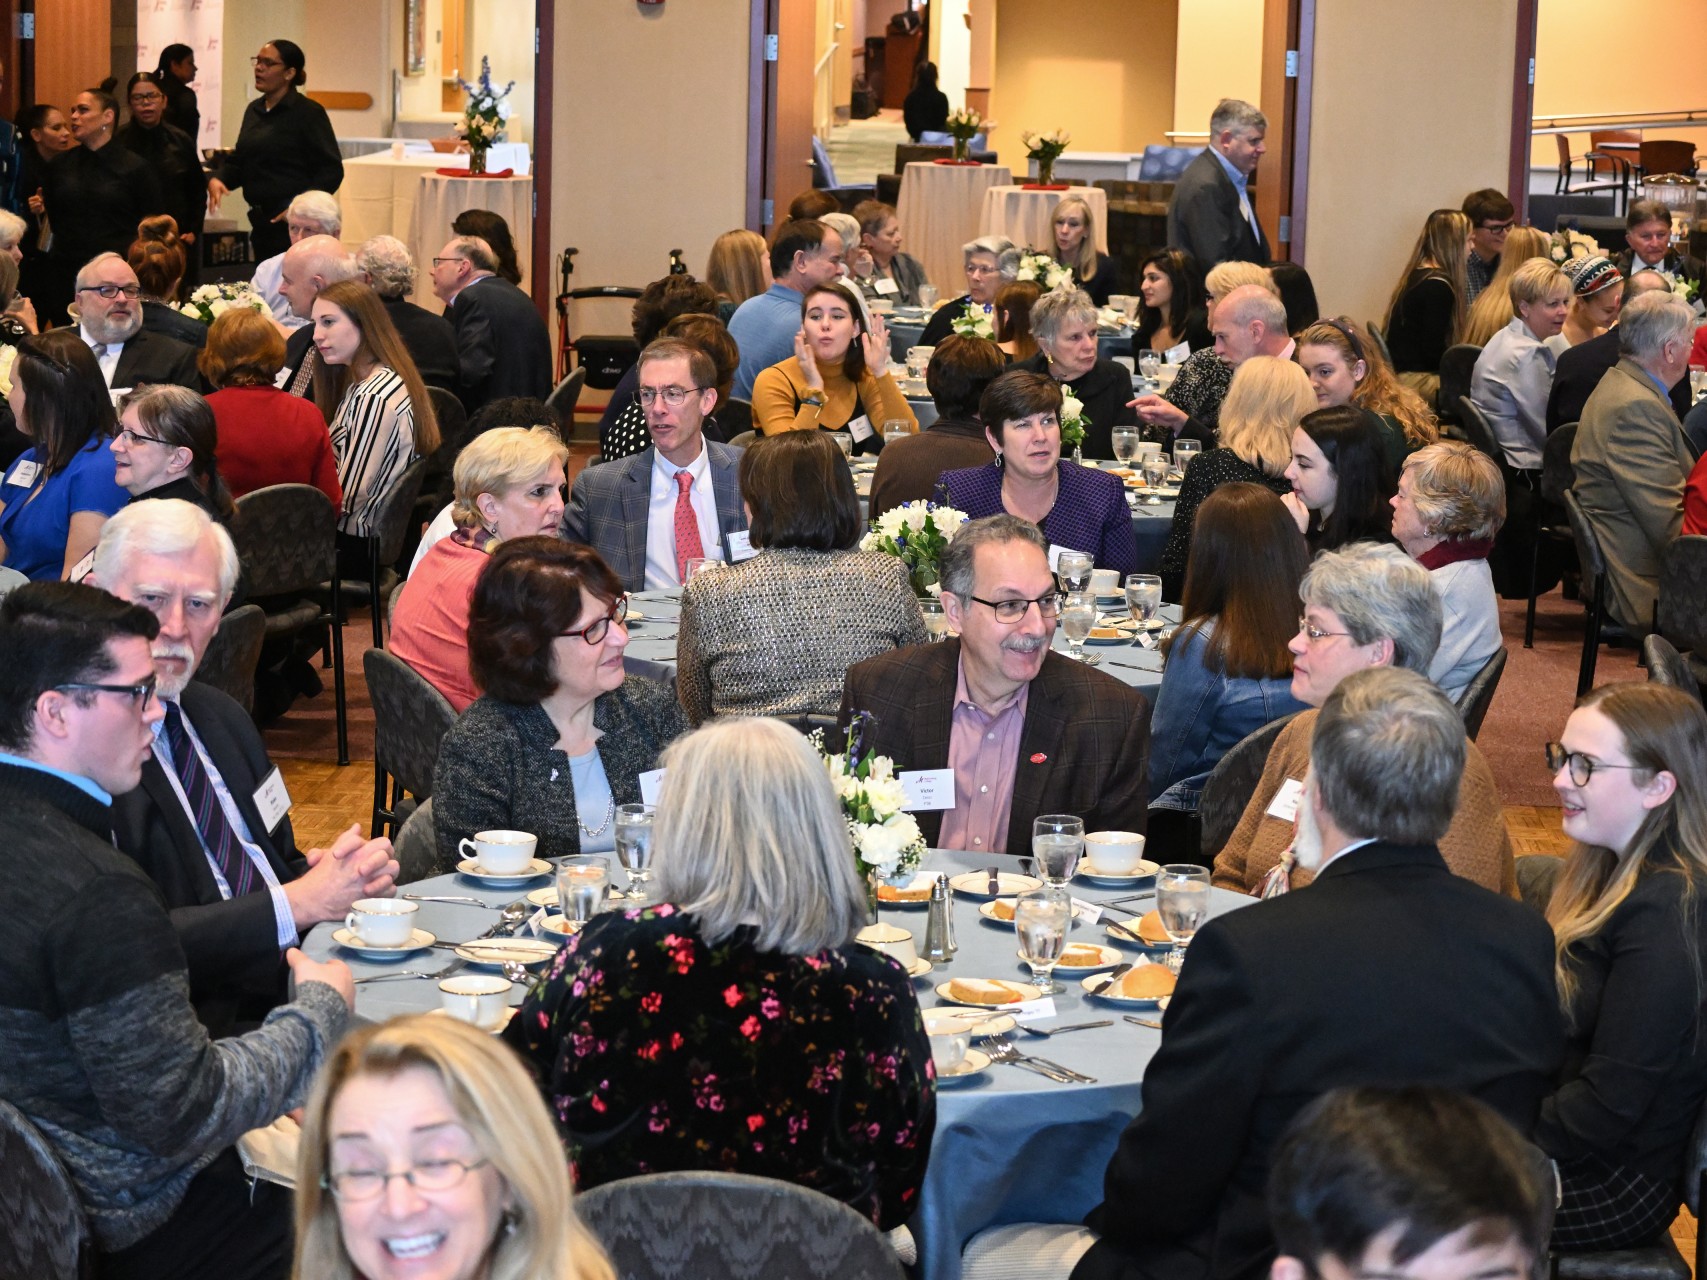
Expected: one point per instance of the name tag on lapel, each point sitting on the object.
(740, 547)
(1285, 803)
(272, 800)
(24, 474)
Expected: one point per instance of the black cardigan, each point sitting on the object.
(1104, 392)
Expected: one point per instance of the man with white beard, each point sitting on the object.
(209, 822)
(109, 319)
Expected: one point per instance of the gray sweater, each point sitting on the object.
(99, 1045)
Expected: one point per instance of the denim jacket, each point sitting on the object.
(1200, 716)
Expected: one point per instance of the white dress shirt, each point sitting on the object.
(661, 517)
(109, 361)
(1510, 385)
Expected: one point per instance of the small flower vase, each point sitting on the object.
(961, 146)
(923, 578)
(1045, 172)
(872, 880)
(476, 159)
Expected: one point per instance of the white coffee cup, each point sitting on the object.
(880, 306)
(1105, 582)
(382, 922)
(476, 998)
(503, 853)
(891, 939)
(950, 1035)
(397, 148)
(1118, 852)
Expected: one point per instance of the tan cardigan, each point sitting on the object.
(1476, 846)
(778, 404)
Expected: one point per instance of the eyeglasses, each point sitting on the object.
(265, 62)
(1582, 767)
(1011, 611)
(139, 694)
(136, 437)
(672, 396)
(452, 258)
(1496, 228)
(146, 99)
(355, 1185)
(594, 632)
(111, 291)
(1316, 633)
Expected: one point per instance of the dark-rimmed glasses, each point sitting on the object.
(139, 694)
(672, 396)
(594, 632)
(265, 62)
(131, 436)
(1009, 612)
(111, 291)
(1582, 767)
(355, 1185)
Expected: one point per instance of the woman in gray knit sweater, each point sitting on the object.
(560, 735)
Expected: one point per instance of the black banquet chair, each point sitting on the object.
(1598, 625)
(1667, 666)
(1231, 785)
(46, 1233)
(385, 545)
(234, 653)
(410, 719)
(1478, 695)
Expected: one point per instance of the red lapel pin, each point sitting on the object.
(1038, 758)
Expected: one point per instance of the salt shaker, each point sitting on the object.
(939, 926)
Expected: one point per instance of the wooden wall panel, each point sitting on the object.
(72, 48)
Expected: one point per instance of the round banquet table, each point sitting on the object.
(1010, 1146)
(939, 209)
(438, 201)
(1027, 217)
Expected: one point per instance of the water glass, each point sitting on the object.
(1184, 452)
(1057, 844)
(844, 442)
(1041, 919)
(1074, 569)
(1143, 596)
(1149, 362)
(695, 565)
(1078, 616)
(936, 620)
(634, 847)
(919, 360)
(582, 882)
(896, 429)
(1182, 901)
(1697, 382)
(1125, 439)
(1155, 476)
(927, 296)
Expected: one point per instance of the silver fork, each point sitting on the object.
(1001, 1051)
(1052, 1065)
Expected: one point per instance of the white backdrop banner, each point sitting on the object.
(199, 24)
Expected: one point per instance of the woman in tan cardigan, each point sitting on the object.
(1368, 604)
(838, 378)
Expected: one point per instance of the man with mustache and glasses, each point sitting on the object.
(1026, 731)
(109, 317)
(209, 822)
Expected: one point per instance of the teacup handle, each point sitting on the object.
(466, 847)
(350, 924)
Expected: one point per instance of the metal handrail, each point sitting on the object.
(1609, 120)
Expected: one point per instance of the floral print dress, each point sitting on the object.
(661, 1052)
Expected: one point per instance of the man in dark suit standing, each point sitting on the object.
(109, 318)
(1387, 971)
(1580, 368)
(505, 348)
(1025, 730)
(649, 514)
(430, 340)
(210, 822)
(1211, 215)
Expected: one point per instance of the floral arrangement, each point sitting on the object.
(1046, 149)
(915, 533)
(1042, 270)
(963, 126)
(1684, 289)
(483, 118)
(1072, 419)
(1570, 243)
(211, 301)
(8, 357)
(974, 322)
(887, 842)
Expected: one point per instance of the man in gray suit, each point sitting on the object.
(1631, 456)
(651, 513)
(1211, 215)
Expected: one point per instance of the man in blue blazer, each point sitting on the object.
(1211, 215)
(651, 513)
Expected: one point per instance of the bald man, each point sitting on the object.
(310, 264)
(1249, 321)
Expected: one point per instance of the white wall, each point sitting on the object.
(1218, 55)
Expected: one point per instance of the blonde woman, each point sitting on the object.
(1264, 402)
(426, 1144)
(1514, 374)
(1630, 937)
(1075, 230)
(1427, 311)
(705, 1032)
(509, 484)
(1491, 311)
(1346, 367)
(739, 268)
(1204, 377)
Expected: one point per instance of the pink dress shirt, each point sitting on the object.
(983, 751)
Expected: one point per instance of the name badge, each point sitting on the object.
(883, 284)
(1285, 803)
(24, 473)
(740, 548)
(927, 789)
(650, 785)
(272, 801)
(1176, 355)
(861, 429)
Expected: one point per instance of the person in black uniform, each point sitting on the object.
(94, 195)
(45, 135)
(171, 153)
(177, 68)
(284, 148)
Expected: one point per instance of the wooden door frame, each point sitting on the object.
(544, 85)
(1522, 108)
(1283, 180)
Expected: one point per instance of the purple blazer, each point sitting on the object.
(1090, 512)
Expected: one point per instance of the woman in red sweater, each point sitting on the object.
(266, 436)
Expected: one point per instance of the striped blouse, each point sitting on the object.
(373, 440)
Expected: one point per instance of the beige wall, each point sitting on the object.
(1575, 76)
(1218, 55)
(1411, 111)
(1101, 69)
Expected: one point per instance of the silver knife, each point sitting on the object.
(1121, 931)
(995, 881)
(1114, 975)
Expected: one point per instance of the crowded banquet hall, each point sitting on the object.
(654, 639)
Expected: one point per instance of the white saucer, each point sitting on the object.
(535, 868)
(975, 884)
(994, 1025)
(347, 938)
(987, 909)
(1115, 879)
(920, 968)
(1129, 1002)
(503, 1021)
(1025, 991)
(493, 953)
(975, 1063)
(558, 927)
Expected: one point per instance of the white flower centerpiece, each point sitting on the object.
(916, 533)
(484, 116)
(1073, 421)
(973, 322)
(887, 843)
(963, 126)
(1043, 271)
(211, 301)
(1046, 149)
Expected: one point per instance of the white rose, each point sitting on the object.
(218, 307)
(204, 293)
(880, 846)
(886, 795)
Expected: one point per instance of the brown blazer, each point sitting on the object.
(1084, 748)
(907, 470)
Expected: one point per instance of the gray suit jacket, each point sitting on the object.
(608, 509)
(1204, 217)
(1631, 459)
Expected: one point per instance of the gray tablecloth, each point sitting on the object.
(1009, 1146)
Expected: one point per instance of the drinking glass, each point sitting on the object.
(1057, 844)
(1184, 452)
(634, 847)
(581, 884)
(1143, 596)
(936, 621)
(927, 296)
(919, 361)
(1149, 362)
(1155, 476)
(895, 429)
(1040, 919)
(1130, 307)
(1697, 382)
(1077, 618)
(696, 565)
(1182, 900)
(1125, 444)
(1074, 568)
(844, 442)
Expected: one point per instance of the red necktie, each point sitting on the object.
(688, 545)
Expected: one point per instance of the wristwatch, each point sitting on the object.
(813, 398)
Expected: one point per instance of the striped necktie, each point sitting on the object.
(228, 854)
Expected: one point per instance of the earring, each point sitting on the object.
(1000, 461)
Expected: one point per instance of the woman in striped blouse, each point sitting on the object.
(372, 396)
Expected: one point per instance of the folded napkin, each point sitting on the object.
(270, 1154)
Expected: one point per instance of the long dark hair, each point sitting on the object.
(1247, 558)
(1186, 279)
(180, 419)
(853, 364)
(1350, 439)
(65, 397)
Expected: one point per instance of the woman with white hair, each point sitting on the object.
(428, 336)
(991, 261)
(737, 1025)
(1064, 322)
(1365, 605)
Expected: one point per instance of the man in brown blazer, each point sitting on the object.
(1631, 456)
(1025, 730)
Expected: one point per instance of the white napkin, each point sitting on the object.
(270, 1153)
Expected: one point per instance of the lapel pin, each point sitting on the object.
(1038, 757)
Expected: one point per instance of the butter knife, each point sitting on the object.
(995, 881)
(1114, 975)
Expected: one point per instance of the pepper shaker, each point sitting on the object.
(939, 927)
